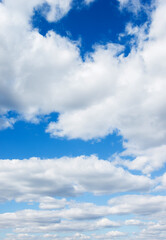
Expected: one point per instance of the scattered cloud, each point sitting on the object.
(88, 1)
(147, 161)
(6, 122)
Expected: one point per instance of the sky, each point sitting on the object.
(82, 119)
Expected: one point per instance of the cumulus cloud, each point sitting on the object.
(130, 95)
(25, 180)
(146, 161)
(105, 93)
(110, 80)
(95, 97)
(33, 221)
(144, 205)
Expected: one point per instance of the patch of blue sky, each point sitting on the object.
(27, 140)
(4, 233)
(95, 24)
(13, 206)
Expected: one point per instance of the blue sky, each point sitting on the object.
(82, 119)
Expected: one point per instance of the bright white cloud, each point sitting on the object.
(146, 161)
(40, 75)
(26, 180)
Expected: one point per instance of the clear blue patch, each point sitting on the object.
(99, 23)
(27, 140)
(12, 206)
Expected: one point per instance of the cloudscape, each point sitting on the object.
(82, 119)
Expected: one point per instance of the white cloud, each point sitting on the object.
(28, 180)
(142, 205)
(40, 75)
(6, 122)
(153, 231)
(52, 203)
(134, 222)
(131, 5)
(87, 217)
(33, 221)
(110, 235)
(146, 161)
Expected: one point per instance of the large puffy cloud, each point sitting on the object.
(128, 94)
(31, 179)
(108, 91)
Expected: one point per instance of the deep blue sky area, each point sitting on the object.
(96, 23)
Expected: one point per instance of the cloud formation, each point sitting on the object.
(106, 92)
(28, 180)
(94, 97)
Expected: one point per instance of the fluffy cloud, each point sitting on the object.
(52, 203)
(146, 161)
(144, 205)
(31, 179)
(122, 93)
(87, 217)
(108, 91)
(33, 221)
